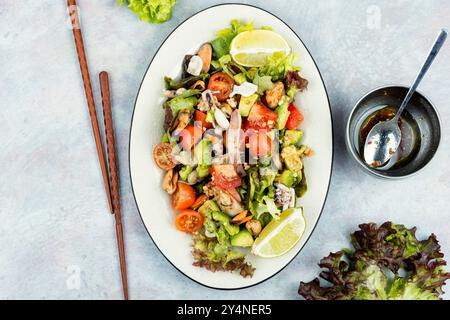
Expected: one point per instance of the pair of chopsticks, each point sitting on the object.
(110, 176)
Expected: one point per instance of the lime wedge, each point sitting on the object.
(251, 48)
(281, 235)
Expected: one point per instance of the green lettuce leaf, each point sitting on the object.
(264, 83)
(221, 45)
(388, 263)
(154, 11)
(278, 65)
(178, 104)
(210, 254)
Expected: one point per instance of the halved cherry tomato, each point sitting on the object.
(295, 117)
(225, 176)
(189, 137)
(201, 117)
(222, 83)
(189, 221)
(184, 197)
(163, 156)
(199, 201)
(261, 117)
(260, 143)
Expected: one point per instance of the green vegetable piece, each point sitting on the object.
(220, 217)
(265, 160)
(302, 149)
(210, 225)
(388, 263)
(178, 104)
(242, 239)
(185, 172)
(264, 83)
(254, 182)
(215, 64)
(153, 11)
(291, 92)
(292, 159)
(202, 171)
(187, 82)
(283, 115)
(208, 208)
(224, 64)
(402, 289)
(258, 208)
(165, 138)
(252, 73)
(246, 103)
(210, 116)
(271, 207)
(292, 137)
(240, 78)
(223, 236)
(211, 254)
(286, 177)
(302, 187)
(278, 65)
(231, 228)
(265, 218)
(221, 45)
(203, 152)
(189, 93)
(220, 250)
(234, 255)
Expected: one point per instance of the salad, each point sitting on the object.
(232, 148)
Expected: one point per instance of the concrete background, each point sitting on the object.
(57, 239)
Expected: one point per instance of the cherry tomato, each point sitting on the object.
(261, 117)
(260, 144)
(225, 176)
(184, 197)
(189, 221)
(163, 156)
(201, 117)
(222, 83)
(295, 117)
(189, 137)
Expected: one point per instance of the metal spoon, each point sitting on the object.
(383, 140)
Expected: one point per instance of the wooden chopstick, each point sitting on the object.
(113, 185)
(73, 12)
(113, 174)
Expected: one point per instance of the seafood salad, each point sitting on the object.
(231, 149)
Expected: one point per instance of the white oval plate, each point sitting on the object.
(146, 131)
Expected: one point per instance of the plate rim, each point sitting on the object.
(131, 130)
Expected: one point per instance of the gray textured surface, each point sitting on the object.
(52, 203)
